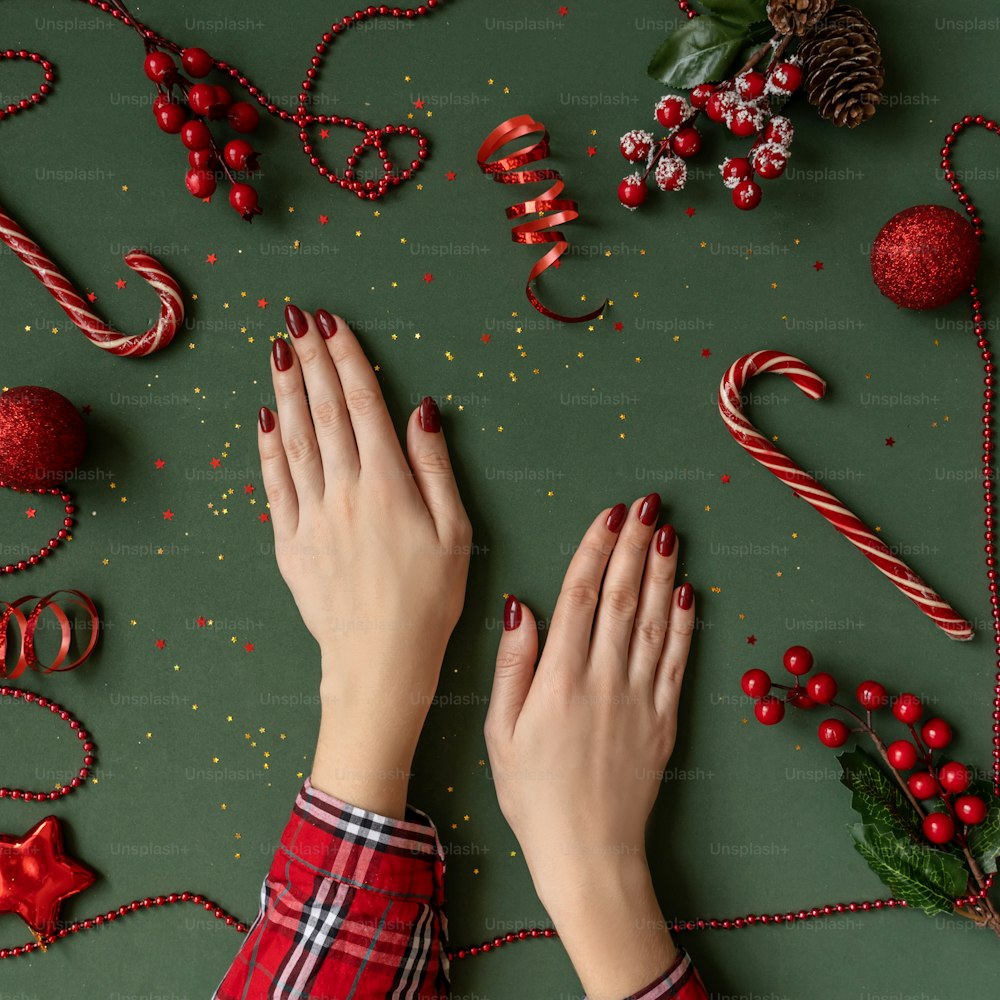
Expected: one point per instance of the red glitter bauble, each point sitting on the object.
(925, 257)
(42, 437)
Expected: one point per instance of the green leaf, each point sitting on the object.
(927, 879)
(984, 839)
(877, 799)
(738, 11)
(699, 51)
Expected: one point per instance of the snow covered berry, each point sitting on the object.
(735, 170)
(671, 173)
(636, 145)
(770, 160)
(632, 191)
(671, 111)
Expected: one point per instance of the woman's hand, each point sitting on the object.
(578, 747)
(373, 545)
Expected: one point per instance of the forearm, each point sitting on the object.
(612, 927)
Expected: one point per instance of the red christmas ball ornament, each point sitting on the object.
(902, 755)
(197, 62)
(636, 145)
(925, 257)
(954, 777)
(756, 683)
(769, 711)
(798, 660)
(833, 733)
(907, 708)
(923, 785)
(201, 183)
(243, 117)
(821, 688)
(872, 695)
(632, 191)
(42, 437)
(939, 828)
(686, 142)
(936, 733)
(970, 809)
(159, 67)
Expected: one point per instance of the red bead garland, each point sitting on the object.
(56, 540)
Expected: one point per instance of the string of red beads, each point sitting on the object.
(57, 491)
(89, 748)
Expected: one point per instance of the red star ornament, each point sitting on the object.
(36, 875)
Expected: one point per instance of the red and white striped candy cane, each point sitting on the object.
(95, 329)
(804, 486)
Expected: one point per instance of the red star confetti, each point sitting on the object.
(264, 518)
(31, 512)
(216, 462)
(91, 297)
(324, 133)
(211, 259)
(120, 283)
(160, 643)
(591, 151)
(689, 211)
(168, 515)
(428, 277)
(751, 640)
(818, 265)
(201, 621)
(262, 303)
(248, 488)
(485, 338)
(705, 352)
(724, 478)
(159, 463)
(563, 11)
(324, 219)
(450, 176)
(889, 442)
(619, 326)
(249, 647)
(419, 103)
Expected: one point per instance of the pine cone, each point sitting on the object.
(843, 67)
(795, 17)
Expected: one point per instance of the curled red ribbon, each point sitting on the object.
(507, 170)
(27, 657)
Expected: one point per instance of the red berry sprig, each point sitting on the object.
(745, 105)
(938, 790)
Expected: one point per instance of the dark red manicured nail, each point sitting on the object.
(650, 509)
(511, 614)
(617, 517)
(295, 320)
(665, 539)
(430, 416)
(282, 355)
(327, 324)
(266, 418)
(685, 596)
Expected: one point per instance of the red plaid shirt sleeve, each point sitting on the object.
(351, 908)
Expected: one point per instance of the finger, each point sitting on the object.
(327, 409)
(652, 617)
(427, 452)
(295, 424)
(620, 592)
(282, 501)
(515, 668)
(673, 660)
(378, 446)
(573, 618)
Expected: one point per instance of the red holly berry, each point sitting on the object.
(756, 683)
(244, 199)
(770, 160)
(636, 145)
(204, 100)
(719, 105)
(923, 785)
(240, 155)
(170, 117)
(833, 733)
(701, 94)
(671, 111)
(780, 130)
(671, 173)
(223, 96)
(744, 121)
(954, 777)
(686, 142)
(196, 135)
(939, 828)
(201, 183)
(769, 710)
(735, 169)
(750, 85)
(907, 708)
(243, 117)
(632, 191)
(822, 688)
(936, 733)
(746, 195)
(197, 62)
(201, 159)
(797, 660)
(785, 78)
(970, 809)
(872, 695)
(798, 697)
(902, 755)
(159, 67)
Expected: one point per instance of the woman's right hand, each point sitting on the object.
(578, 747)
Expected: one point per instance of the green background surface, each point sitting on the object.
(753, 819)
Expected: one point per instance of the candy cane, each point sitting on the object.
(804, 486)
(95, 329)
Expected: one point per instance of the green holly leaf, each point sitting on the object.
(738, 11)
(699, 51)
(877, 799)
(984, 839)
(927, 879)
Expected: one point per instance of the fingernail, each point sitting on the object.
(430, 416)
(327, 324)
(617, 517)
(650, 509)
(511, 614)
(266, 418)
(295, 320)
(665, 539)
(685, 596)
(282, 354)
